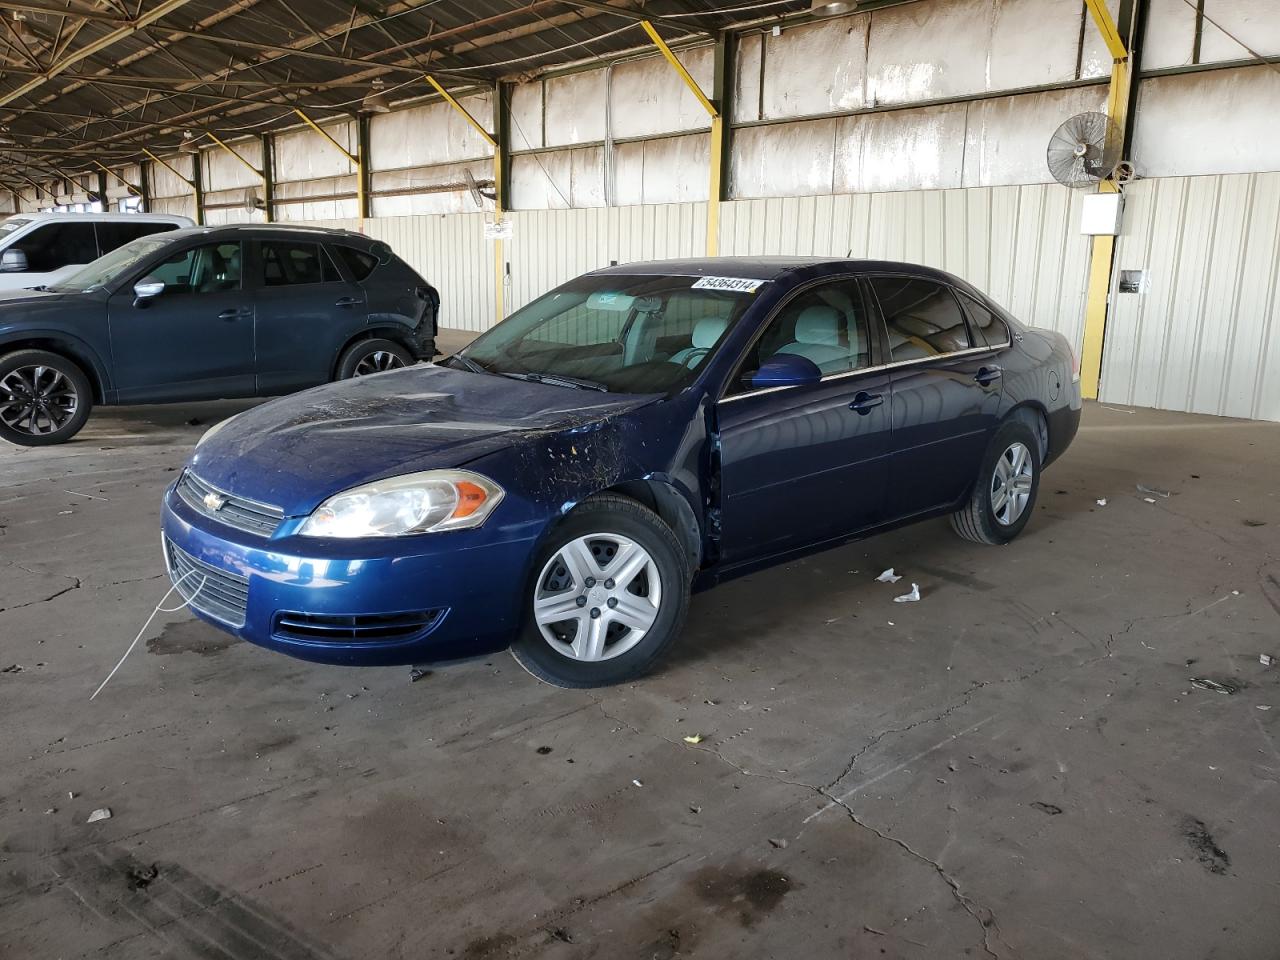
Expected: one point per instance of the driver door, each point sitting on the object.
(195, 340)
(805, 465)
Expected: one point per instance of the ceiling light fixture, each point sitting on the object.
(188, 144)
(827, 8)
(375, 100)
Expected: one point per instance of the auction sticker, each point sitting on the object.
(738, 284)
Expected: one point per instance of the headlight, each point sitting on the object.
(428, 502)
(214, 429)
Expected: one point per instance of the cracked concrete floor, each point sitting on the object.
(1017, 766)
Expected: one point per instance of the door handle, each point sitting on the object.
(348, 302)
(987, 375)
(864, 402)
(235, 313)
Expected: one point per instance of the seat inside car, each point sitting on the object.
(706, 332)
(818, 335)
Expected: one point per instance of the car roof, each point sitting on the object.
(265, 230)
(100, 217)
(768, 268)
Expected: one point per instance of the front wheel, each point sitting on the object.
(372, 356)
(1005, 492)
(609, 595)
(44, 398)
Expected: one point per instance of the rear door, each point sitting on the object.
(195, 340)
(807, 464)
(946, 393)
(307, 309)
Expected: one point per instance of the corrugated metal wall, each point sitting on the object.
(1203, 335)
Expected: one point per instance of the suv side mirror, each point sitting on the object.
(786, 370)
(14, 261)
(148, 288)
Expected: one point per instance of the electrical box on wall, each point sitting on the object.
(1100, 214)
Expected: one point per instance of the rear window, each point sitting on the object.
(359, 262)
(988, 329)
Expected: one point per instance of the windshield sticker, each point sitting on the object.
(736, 284)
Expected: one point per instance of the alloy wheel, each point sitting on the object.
(377, 362)
(1011, 484)
(37, 400)
(597, 597)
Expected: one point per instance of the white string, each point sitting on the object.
(160, 608)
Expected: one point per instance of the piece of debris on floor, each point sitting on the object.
(637, 783)
(1149, 499)
(561, 934)
(1266, 659)
(778, 842)
(1264, 706)
(102, 813)
(911, 597)
(543, 750)
(12, 668)
(140, 877)
(418, 673)
(1163, 494)
(1255, 523)
(1101, 501)
(888, 577)
(695, 738)
(1204, 683)
(1052, 809)
(194, 422)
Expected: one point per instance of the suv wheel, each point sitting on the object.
(610, 593)
(44, 398)
(372, 356)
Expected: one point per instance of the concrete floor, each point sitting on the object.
(1017, 766)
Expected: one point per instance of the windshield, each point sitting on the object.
(12, 224)
(107, 268)
(638, 334)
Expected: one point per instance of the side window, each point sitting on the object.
(827, 324)
(55, 245)
(115, 234)
(988, 329)
(286, 263)
(359, 262)
(923, 318)
(213, 268)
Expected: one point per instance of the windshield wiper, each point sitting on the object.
(467, 362)
(558, 380)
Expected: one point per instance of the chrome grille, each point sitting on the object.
(219, 593)
(247, 515)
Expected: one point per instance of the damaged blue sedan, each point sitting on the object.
(561, 486)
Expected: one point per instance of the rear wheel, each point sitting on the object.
(372, 356)
(1005, 493)
(44, 398)
(609, 596)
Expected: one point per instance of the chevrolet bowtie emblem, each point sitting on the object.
(214, 502)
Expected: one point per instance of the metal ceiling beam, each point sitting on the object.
(162, 9)
(76, 10)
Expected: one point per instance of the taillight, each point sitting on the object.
(1075, 366)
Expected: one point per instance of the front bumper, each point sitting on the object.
(421, 599)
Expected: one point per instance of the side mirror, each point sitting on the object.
(14, 261)
(148, 288)
(786, 370)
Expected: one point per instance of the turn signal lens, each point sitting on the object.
(427, 502)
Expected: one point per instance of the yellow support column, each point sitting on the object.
(357, 161)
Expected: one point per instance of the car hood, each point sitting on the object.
(13, 298)
(296, 451)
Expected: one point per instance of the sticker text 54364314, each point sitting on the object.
(736, 284)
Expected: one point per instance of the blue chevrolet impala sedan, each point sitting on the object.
(561, 486)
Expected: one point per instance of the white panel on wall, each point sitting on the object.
(669, 170)
(305, 155)
(1206, 123)
(746, 78)
(1006, 138)
(760, 167)
(1256, 22)
(563, 178)
(183, 206)
(164, 183)
(913, 149)
(220, 216)
(1170, 34)
(429, 134)
(116, 190)
(1203, 336)
(575, 108)
(816, 68)
(1033, 42)
(526, 116)
(928, 51)
(649, 98)
(1095, 58)
(223, 171)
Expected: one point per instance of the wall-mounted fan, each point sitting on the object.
(478, 193)
(253, 200)
(1084, 150)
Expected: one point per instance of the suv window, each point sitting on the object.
(988, 329)
(359, 262)
(923, 318)
(213, 268)
(827, 324)
(55, 245)
(114, 234)
(285, 263)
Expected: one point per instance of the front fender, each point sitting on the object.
(75, 347)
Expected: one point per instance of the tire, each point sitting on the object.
(1012, 464)
(575, 647)
(44, 398)
(372, 356)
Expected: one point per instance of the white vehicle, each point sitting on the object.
(39, 248)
